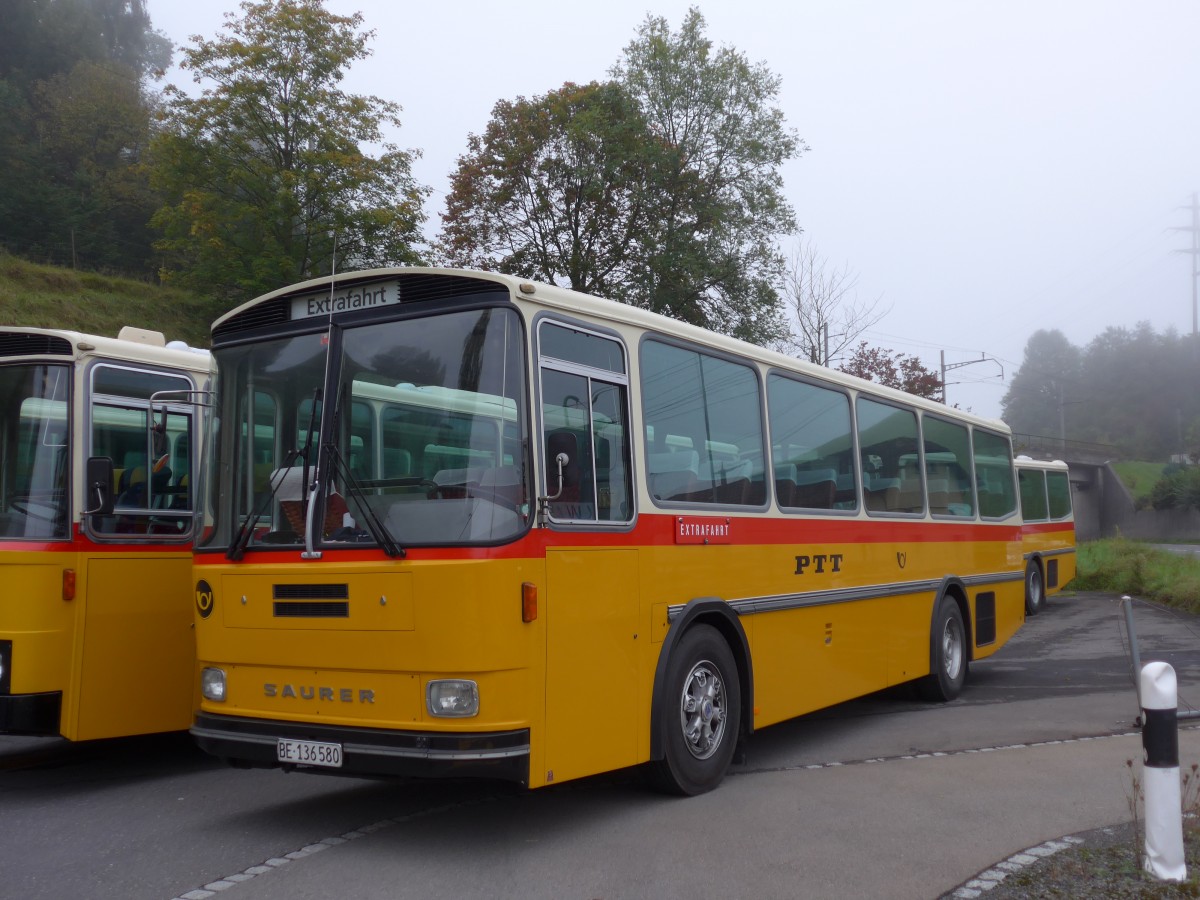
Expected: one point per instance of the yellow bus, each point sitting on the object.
(1048, 532)
(98, 442)
(458, 523)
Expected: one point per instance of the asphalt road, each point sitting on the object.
(883, 797)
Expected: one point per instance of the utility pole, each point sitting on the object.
(983, 357)
(1194, 250)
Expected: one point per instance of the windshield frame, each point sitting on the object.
(222, 515)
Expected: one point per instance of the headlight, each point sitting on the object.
(212, 685)
(452, 698)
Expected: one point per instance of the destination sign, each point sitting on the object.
(346, 299)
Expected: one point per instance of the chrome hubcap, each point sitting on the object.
(702, 710)
(952, 648)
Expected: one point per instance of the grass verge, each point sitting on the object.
(1109, 861)
(1123, 566)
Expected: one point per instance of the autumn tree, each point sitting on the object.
(828, 313)
(554, 189)
(265, 176)
(893, 369)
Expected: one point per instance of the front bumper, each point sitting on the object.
(371, 751)
(31, 714)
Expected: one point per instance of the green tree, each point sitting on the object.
(44, 38)
(554, 190)
(660, 189)
(894, 370)
(74, 122)
(265, 176)
(1047, 385)
(710, 257)
(93, 128)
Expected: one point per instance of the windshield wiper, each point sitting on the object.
(383, 537)
(242, 538)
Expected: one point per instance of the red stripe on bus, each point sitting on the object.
(656, 530)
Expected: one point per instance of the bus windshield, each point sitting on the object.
(422, 441)
(34, 462)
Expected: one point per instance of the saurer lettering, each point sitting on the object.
(311, 692)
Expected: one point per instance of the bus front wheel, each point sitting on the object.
(702, 706)
(1035, 593)
(948, 654)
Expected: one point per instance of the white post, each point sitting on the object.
(1160, 773)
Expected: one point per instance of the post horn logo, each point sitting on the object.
(901, 558)
(204, 599)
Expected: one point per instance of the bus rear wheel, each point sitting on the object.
(1035, 593)
(702, 706)
(948, 653)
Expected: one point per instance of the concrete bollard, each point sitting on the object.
(1160, 773)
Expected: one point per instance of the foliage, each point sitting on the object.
(660, 188)
(1138, 477)
(1048, 379)
(1179, 488)
(44, 38)
(74, 122)
(828, 312)
(893, 369)
(46, 296)
(1130, 388)
(264, 175)
(719, 196)
(1122, 566)
(555, 190)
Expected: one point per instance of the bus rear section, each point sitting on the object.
(96, 637)
(1048, 530)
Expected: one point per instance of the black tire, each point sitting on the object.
(947, 654)
(1035, 589)
(702, 707)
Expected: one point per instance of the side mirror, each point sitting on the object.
(98, 500)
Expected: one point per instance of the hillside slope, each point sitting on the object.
(53, 297)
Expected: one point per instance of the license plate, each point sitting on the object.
(309, 753)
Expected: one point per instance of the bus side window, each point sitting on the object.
(585, 414)
(150, 447)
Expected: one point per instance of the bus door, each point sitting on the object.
(596, 716)
(137, 668)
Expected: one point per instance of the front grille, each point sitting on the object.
(298, 609)
(274, 312)
(311, 591)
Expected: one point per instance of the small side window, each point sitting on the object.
(1058, 489)
(1032, 485)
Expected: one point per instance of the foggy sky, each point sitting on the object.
(986, 169)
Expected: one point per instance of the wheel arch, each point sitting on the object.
(715, 612)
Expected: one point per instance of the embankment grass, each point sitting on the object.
(1140, 570)
(53, 297)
